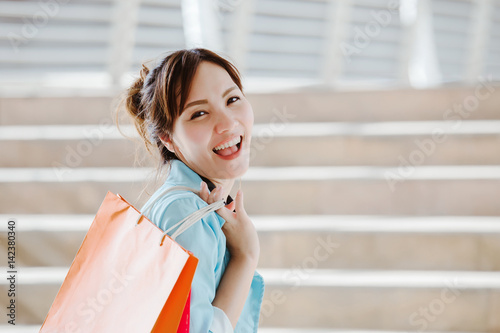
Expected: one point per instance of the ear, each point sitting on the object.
(167, 142)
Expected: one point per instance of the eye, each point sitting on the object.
(232, 99)
(197, 114)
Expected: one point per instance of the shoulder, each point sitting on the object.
(204, 239)
(174, 206)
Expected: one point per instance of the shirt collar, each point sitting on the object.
(181, 174)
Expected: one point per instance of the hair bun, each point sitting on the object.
(133, 95)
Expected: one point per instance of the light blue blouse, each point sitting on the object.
(207, 242)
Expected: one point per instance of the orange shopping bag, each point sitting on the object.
(128, 275)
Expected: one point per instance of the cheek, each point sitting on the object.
(193, 138)
(247, 116)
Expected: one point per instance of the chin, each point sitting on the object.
(234, 169)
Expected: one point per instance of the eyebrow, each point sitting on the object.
(204, 101)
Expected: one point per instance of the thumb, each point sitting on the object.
(226, 214)
(230, 206)
(239, 202)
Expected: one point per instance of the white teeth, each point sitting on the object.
(233, 142)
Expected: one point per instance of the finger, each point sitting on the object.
(220, 193)
(211, 196)
(216, 194)
(226, 214)
(204, 191)
(239, 202)
(231, 205)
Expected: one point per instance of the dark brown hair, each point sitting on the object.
(156, 99)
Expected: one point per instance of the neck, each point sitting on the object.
(227, 185)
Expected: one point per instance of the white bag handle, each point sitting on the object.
(189, 220)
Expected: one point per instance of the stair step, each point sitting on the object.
(20, 328)
(326, 241)
(310, 129)
(327, 330)
(455, 300)
(303, 173)
(382, 300)
(381, 105)
(359, 190)
(297, 223)
(479, 102)
(36, 329)
(384, 279)
(386, 143)
(57, 110)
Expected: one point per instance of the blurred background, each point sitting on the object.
(375, 163)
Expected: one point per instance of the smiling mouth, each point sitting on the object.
(229, 148)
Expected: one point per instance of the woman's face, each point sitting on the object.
(212, 134)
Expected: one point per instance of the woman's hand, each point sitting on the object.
(241, 236)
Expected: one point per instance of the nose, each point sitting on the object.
(226, 122)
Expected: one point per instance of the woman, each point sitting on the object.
(191, 109)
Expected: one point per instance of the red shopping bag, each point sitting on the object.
(128, 276)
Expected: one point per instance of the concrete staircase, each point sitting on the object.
(377, 211)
